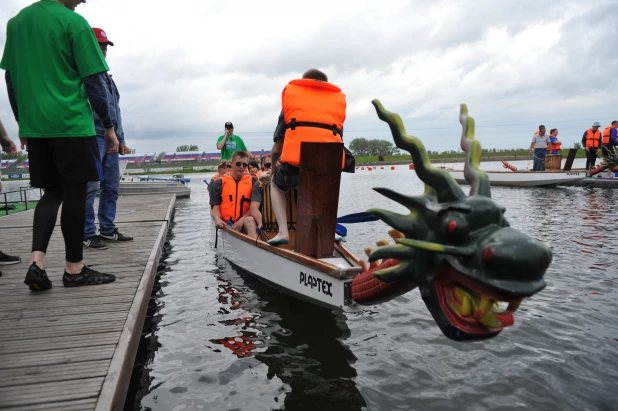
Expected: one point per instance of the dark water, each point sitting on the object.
(561, 354)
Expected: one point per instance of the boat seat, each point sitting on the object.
(269, 222)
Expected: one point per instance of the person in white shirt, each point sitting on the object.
(539, 144)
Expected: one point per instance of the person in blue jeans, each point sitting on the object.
(110, 183)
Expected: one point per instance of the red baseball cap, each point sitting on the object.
(101, 36)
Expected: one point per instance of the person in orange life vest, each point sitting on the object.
(254, 168)
(609, 139)
(539, 144)
(221, 170)
(556, 144)
(591, 141)
(234, 194)
(265, 163)
(312, 110)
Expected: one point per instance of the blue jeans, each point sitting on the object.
(108, 197)
(539, 159)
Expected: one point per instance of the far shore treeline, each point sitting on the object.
(369, 151)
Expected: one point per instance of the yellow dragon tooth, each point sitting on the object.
(483, 307)
(382, 243)
(466, 307)
(395, 234)
(368, 250)
(513, 306)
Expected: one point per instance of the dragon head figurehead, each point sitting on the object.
(471, 268)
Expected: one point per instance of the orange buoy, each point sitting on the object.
(411, 166)
(369, 168)
(381, 168)
(393, 167)
(362, 168)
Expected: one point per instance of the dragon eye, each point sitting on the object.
(487, 254)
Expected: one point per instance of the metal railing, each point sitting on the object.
(23, 197)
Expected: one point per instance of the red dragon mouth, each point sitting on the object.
(473, 307)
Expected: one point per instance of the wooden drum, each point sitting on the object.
(553, 162)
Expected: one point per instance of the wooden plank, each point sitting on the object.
(570, 158)
(66, 330)
(58, 343)
(77, 405)
(56, 372)
(115, 386)
(318, 198)
(7, 327)
(49, 356)
(50, 392)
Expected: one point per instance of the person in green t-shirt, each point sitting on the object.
(55, 76)
(229, 142)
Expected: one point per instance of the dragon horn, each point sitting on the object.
(441, 181)
(477, 178)
(436, 248)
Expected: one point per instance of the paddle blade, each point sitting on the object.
(356, 218)
(341, 230)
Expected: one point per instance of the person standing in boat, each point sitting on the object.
(110, 184)
(592, 142)
(312, 110)
(538, 149)
(556, 144)
(234, 194)
(609, 140)
(55, 75)
(229, 142)
(8, 147)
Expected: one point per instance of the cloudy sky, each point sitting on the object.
(185, 68)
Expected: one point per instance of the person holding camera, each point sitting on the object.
(228, 143)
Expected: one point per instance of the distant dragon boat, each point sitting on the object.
(472, 269)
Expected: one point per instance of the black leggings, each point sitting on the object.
(591, 158)
(72, 219)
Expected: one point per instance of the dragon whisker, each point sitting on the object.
(437, 248)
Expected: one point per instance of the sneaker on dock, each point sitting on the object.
(116, 236)
(87, 276)
(6, 259)
(95, 243)
(37, 279)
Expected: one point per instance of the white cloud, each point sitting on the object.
(185, 69)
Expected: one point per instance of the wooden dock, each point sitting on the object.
(73, 348)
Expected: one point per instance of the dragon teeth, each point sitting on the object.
(382, 242)
(513, 306)
(483, 307)
(466, 307)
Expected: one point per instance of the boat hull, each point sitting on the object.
(285, 274)
(525, 178)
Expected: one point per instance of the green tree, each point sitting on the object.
(577, 145)
(130, 150)
(160, 156)
(376, 147)
(186, 147)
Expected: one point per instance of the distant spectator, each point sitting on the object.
(254, 167)
(592, 142)
(538, 149)
(609, 140)
(228, 143)
(556, 144)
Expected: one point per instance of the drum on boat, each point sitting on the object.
(553, 162)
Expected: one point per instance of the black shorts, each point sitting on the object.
(286, 177)
(69, 160)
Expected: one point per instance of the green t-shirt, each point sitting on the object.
(231, 145)
(49, 50)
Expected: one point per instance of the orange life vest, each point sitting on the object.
(215, 177)
(314, 111)
(606, 135)
(235, 196)
(592, 138)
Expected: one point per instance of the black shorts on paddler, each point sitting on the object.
(68, 160)
(286, 177)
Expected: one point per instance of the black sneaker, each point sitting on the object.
(116, 236)
(95, 243)
(8, 259)
(88, 276)
(37, 279)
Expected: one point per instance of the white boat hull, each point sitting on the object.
(525, 178)
(287, 275)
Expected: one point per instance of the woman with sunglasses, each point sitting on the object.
(265, 164)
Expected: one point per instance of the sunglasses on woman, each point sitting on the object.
(267, 165)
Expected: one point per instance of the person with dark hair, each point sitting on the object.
(313, 110)
(556, 144)
(591, 141)
(55, 76)
(254, 167)
(539, 144)
(232, 195)
(229, 142)
(609, 140)
(8, 147)
(110, 184)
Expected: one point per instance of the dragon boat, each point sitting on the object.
(472, 269)
(524, 178)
